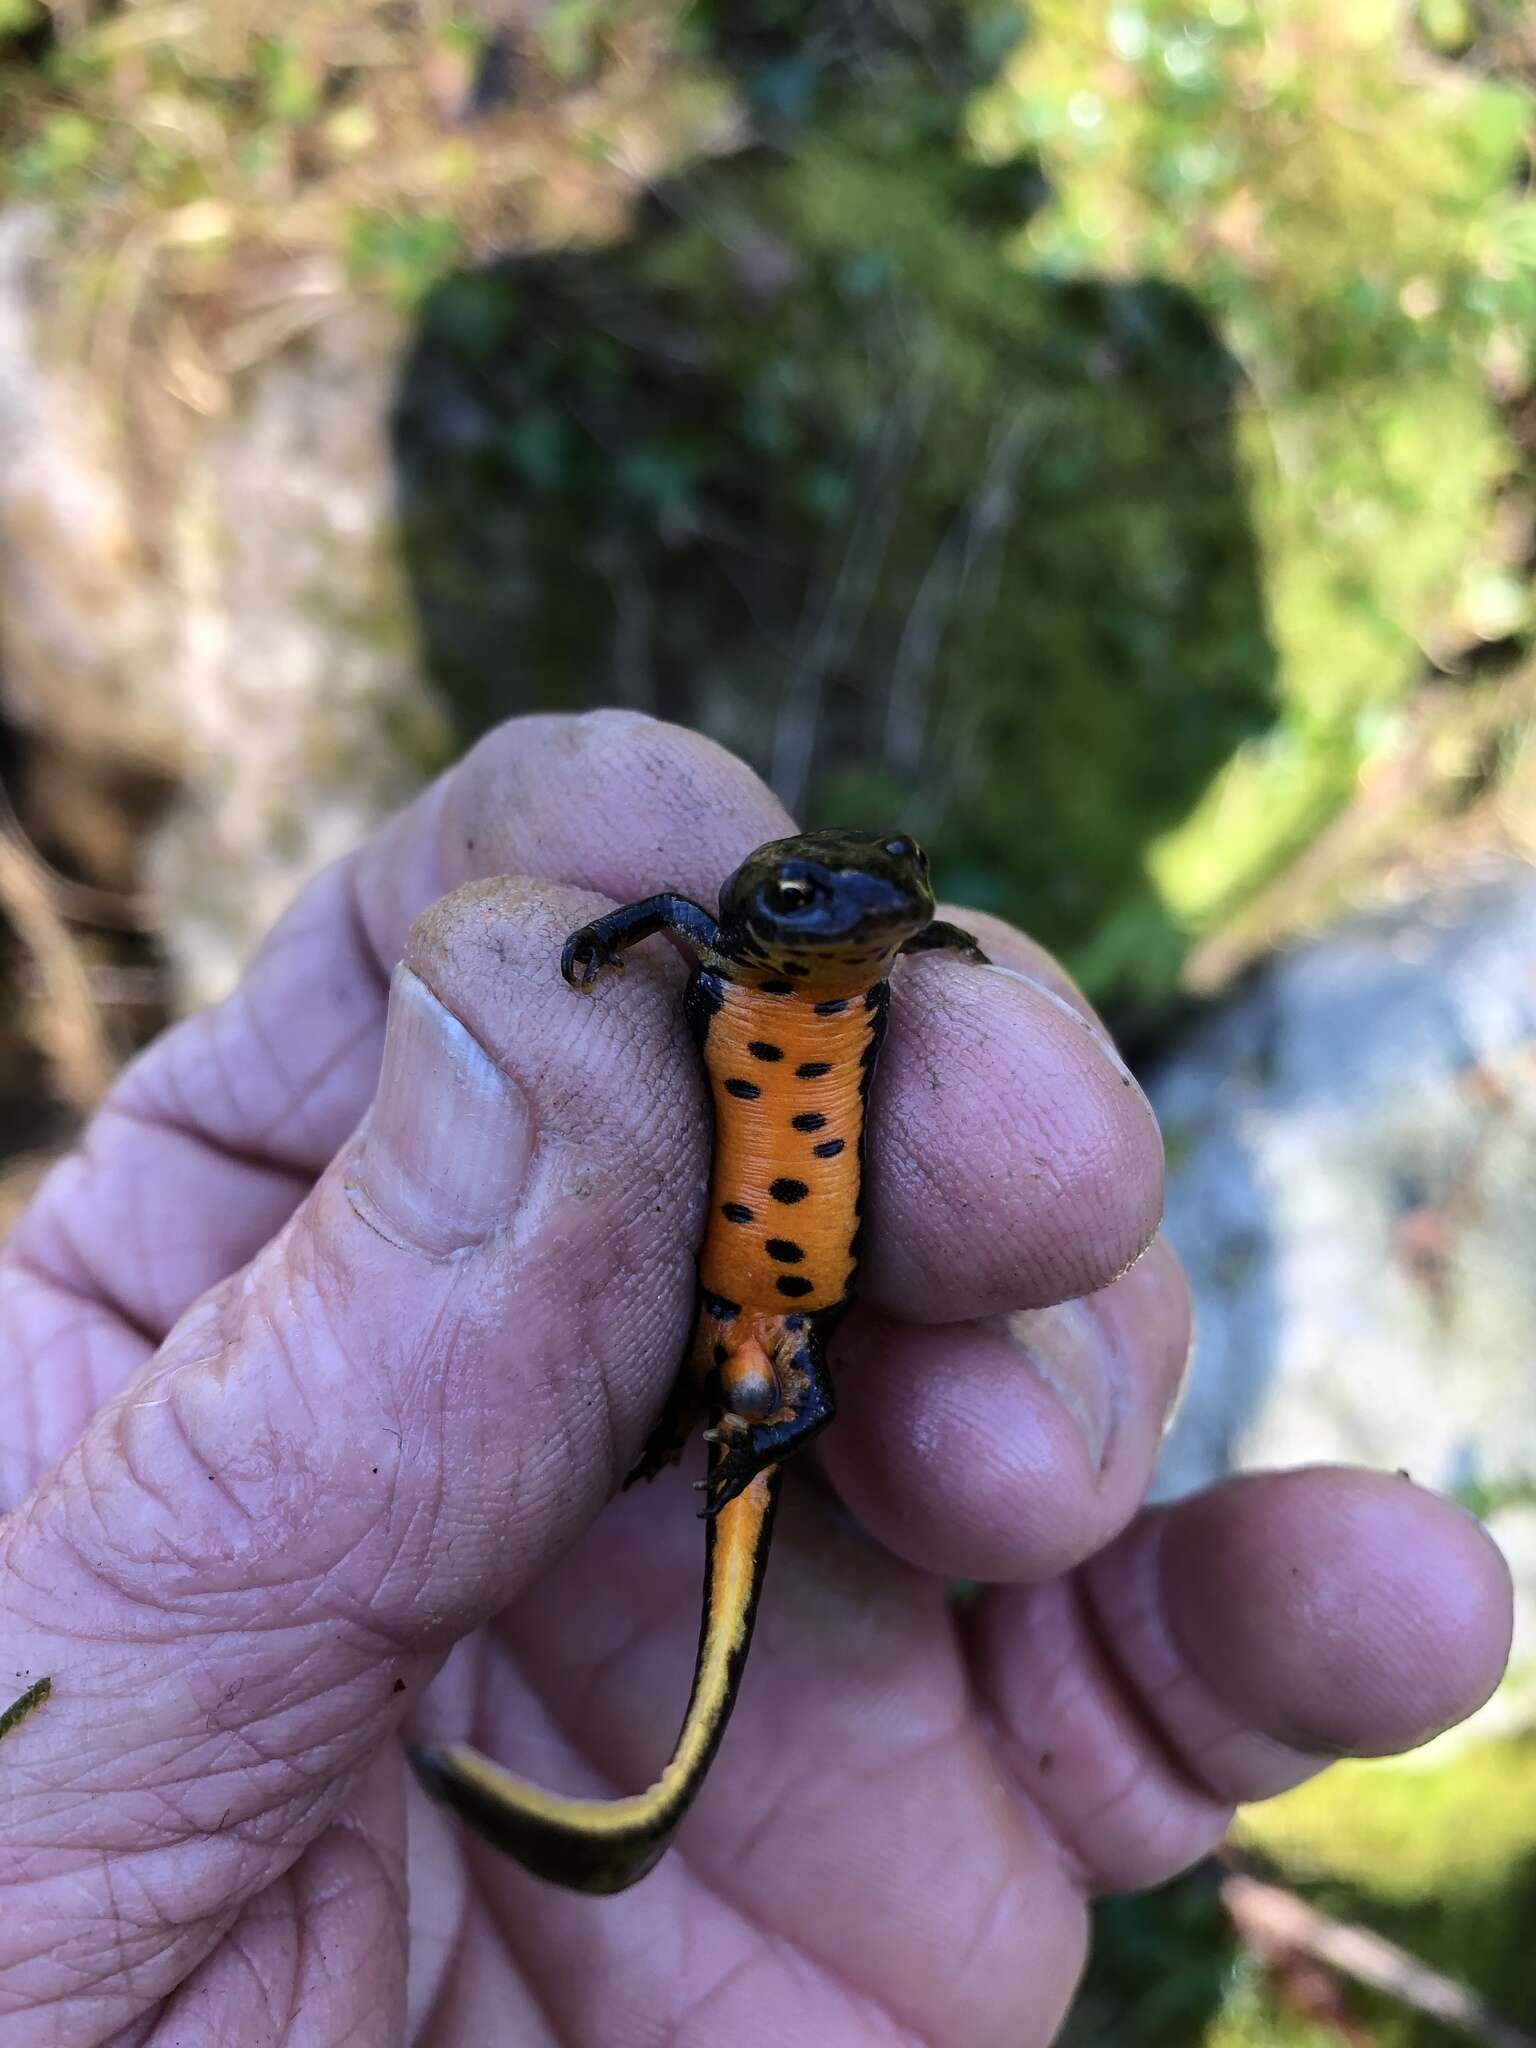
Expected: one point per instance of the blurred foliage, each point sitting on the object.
(1437, 1855)
(890, 542)
(1350, 215)
(1073, 442)
(1080, 465)
(808, 461)
(387, 135)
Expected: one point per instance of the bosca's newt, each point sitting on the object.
(787, 1002)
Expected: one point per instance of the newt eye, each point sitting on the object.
(785, 897)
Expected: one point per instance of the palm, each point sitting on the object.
(325, 1399)
(855, 1772)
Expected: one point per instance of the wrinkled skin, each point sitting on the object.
(303, 1396)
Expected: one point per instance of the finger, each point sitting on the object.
(609, 801)
(1014, 1162)
(1230, 1646)
(1010, 1450)
(1007, 947)
(350, 1453)
(211, 1138)
(318, 1957)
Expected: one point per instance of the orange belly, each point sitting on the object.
(789, 1089)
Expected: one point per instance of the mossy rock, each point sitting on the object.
(808, 462)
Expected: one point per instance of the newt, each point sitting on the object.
(787, 1002)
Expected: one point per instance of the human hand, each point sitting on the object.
(330, 1384)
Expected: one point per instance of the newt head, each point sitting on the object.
(827, 900)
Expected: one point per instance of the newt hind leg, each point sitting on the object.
(674, 1427)
(776, 1395)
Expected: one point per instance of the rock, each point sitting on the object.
(306, 711)
(229, 619)
(83, 633)
(1350, 1186)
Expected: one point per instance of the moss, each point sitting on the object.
(1067, 442)
(387, 135)
(1412, 1832)
(1438, 1855)
(1359, 263)
(1440, 1858)
(1092, 525)
(808, 462)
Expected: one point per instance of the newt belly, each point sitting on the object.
(788, 1003)
(790, 1079)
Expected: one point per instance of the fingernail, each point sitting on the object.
(1067, 1347)
(1096, 1032)
(446, 1145)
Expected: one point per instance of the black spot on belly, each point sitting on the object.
(721, 1354)
(784, 1249)
(812, 1070)
(776, 988)
(735, 1212)
(809, 1120)
(834, 1008)
(760, 1049)
(829, 1148)
(744, 1091)
(792, 1284)
(722, 1310)
(789, 1190)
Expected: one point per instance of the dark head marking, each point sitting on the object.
(821, 894)
(789, 1190)
(793, 1284)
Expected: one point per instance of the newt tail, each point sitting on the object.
(787, 1002)
(605, 1845)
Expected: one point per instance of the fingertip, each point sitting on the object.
(1015, 953)
(960, 1458)
(611, 800)
(1014, 1160)
(1010, 1451)
(1340, 1611)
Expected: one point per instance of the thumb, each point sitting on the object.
(347, 1454)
